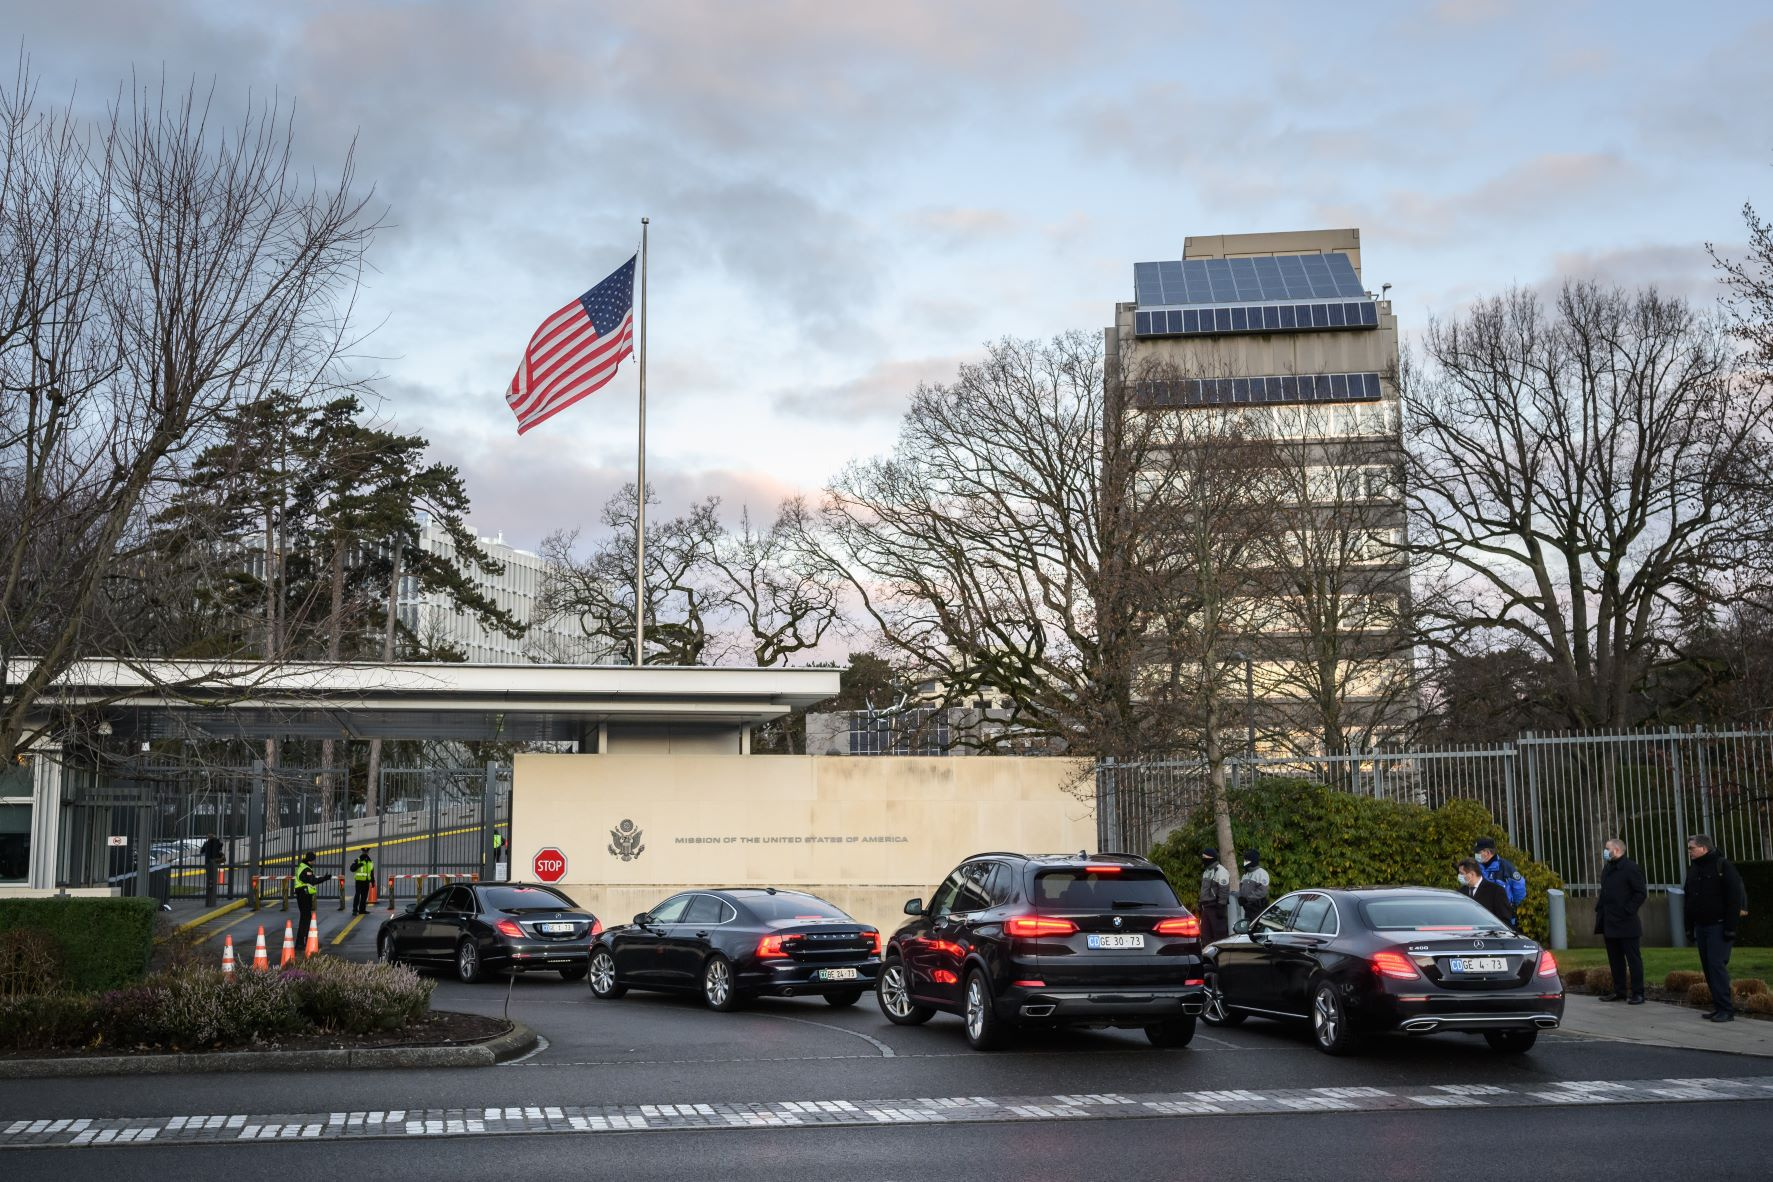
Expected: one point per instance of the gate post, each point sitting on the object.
(489, 815)
(255, 828)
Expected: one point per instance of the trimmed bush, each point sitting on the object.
(1747, 987)
(100, 943)
(1600, 980)
(1699, 995)
(1310, 836)
(30, 962)
(346, 998)
(52, 1020)
(1758, 1003)
(1573, 978)
(1682, 980)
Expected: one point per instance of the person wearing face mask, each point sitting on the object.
(1215, 895)
(1252, 886)
(1494, 899)
(1623, 891)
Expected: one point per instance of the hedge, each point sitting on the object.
(1312, 836)
(103, 943)
(1757, 927)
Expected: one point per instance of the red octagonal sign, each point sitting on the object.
(550, 864)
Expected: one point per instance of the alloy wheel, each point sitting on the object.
(603, 972)
(468, 962)
(975, 1008)
(717, 983)
(1326, 1022)
(893, 991)
(388, 955)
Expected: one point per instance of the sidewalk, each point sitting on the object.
(1662, 1025)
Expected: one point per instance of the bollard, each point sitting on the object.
(390, 894)
(253, 888)
(284, 879)
(1677, 917)
(1559, 925)
(341, 892)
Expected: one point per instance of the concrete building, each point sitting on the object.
(1280, 331)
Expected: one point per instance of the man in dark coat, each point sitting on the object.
(1716, 903)
(1489, 893)
(1623, 891)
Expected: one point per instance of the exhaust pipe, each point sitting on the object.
(1546, 1023)
(1038, 1011)
(1420, 1025)
(1194, 1008)
(789, 992)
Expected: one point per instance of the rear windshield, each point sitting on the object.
(1427, 913)
(1094, 890)
(783, 906)
(513, 898)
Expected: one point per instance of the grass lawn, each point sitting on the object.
(1659, 962)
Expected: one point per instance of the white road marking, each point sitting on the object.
(886, 1052)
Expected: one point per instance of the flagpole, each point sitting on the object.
(640, 480)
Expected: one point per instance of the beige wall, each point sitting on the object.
(1233, 246)
(866, 832)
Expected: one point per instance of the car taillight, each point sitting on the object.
(508, 927)
(1548, 965)
(1394, 965)
(1103, 869)
(1039, 925)
(770, 948)
(1188, 925)
(596, 927)
(874, 939)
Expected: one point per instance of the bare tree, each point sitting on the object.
(155, 269)
(1572, 475)
(785, 601)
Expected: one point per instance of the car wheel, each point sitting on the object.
(1330, 1027)
(468, 962)
(985, 1030)
(1217, 1013)
(848, 997)
(573, 972)
(893, 992)
(385, 950)
(1174, 1032)
(1511, 1042)
(602, 971)
(718, 989)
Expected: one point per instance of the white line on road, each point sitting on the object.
(886, 1052)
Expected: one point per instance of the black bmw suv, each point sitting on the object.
(1080, 939)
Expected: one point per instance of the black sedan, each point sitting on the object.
(1412, 960)
(492, 926)
(730, 945)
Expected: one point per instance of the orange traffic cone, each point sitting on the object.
(288, 944)
(228, 956)
(313, 948)
(372, 892)
(261, 959)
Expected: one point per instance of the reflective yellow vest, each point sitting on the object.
(363, 869)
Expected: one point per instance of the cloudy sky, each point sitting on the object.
(847, 199)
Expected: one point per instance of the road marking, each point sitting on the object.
(469, 1122)
(236, 905)
(886, 1052)
(346, 930)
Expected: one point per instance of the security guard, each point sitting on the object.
(307, 885)
(363, 870)
(1215, 897)
(498, 847)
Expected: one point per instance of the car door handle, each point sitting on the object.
(701, 935)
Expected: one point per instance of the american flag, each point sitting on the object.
(576, 350)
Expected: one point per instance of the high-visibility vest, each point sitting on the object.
(498, 840)
(303, 876)
(363, 869)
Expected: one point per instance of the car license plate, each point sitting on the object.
(1478, 964)
(837, 974)
(556, 929)
(1117, 941)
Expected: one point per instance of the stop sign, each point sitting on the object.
(550, 864)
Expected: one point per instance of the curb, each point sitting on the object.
(519, 1040)
(224, 909)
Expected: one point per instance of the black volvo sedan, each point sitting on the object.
(734, 944)
(1412, 960)
(491, 926)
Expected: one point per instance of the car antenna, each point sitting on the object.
(769, 890)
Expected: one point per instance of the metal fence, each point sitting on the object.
(1556, 796)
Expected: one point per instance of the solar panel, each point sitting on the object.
(1228, 281)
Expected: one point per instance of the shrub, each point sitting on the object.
(1310, 835)
(1600, 980)
(49, 1020)
(1574, 978)
(1747, 987)
(347, 998)
(1758, 1003)
(1682, 980)
(101, 943)
(1699, 995)
(30, 962)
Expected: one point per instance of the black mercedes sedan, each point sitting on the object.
(487, 927)
(734, 944)
(1012, 941)
(1411, 960)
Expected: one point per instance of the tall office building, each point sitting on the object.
(1280, 330)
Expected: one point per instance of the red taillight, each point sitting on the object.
(1394, 965)
(1188, 925)
(1039, 925)
(945, 977)
(874, 939)
(596, 927)
(1103, 869)
(1195, 981)
(508, 927)
(1030, 984)
(1548, 965)
(770, 948)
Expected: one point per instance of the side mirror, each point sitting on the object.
(643, 919)
(914, 907)
(1241, 927)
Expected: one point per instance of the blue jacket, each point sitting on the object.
(1501, 871)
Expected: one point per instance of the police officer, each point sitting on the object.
(1215, 896)
(363, 871)
(307, 885)
(498, 848)
(1501, 871)
(213, 852)
(1252, 886)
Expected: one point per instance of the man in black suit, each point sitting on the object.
(1623, 891)
(1490, 894)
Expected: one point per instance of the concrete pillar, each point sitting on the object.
(46, 818)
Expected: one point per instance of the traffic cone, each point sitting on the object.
(313, 948)
(372, 892)
(228, 956)
(288, 944)
(261, 959)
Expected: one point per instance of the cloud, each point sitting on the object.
(1674, 269)
(882, 392)
(950, 227)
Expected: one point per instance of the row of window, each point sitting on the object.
(1170, 322)
(1321, 387)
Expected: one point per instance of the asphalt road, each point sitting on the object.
(1551, 1108)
